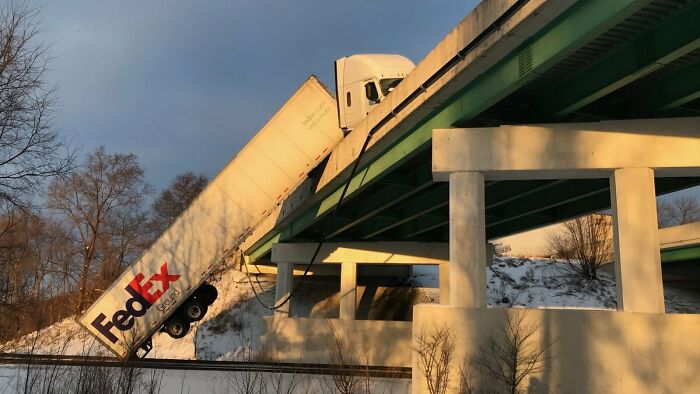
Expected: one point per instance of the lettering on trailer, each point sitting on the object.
(123, 319)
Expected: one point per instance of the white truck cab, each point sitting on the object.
(362, 81)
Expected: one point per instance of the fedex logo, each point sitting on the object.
(142, 298)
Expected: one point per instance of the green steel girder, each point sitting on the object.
(579, 24)
(677, 90)
(421, 225)
(677, 255)
(424, 204)
(506, 192)
(538, 202)
(380, 221)
(652, 50)
(592, 203)
(389, 196)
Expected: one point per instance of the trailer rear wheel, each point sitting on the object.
(177, 327)
(209, 293)
(195, 310)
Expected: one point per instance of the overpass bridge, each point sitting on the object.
(509, 62)
(680, 254)
(529, 112)
(680, 243)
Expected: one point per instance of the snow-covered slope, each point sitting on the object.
(231, 326)
(549, 283)
(234, 322)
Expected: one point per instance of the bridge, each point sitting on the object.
(529, 112)
(680, 243)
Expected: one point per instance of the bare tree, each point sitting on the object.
(342, 356)
(31, 149)
(32, 274)
(435, 348)
(585, 243)
(682, 210)
(176, 198)
(509, 355)
(93, 199)
(127, 233)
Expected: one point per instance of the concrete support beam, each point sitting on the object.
(348, 291)
(467, 240)
(679, 236)
(283, 288)
(572, 150)
(444, 279)
(636, 238)
(364, 252)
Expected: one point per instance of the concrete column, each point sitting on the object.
(490, 252)
(348, 290)
(285, 272)
(636, 239)
(444, 279)
(467, 240)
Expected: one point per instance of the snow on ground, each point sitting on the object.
(232, 327)
(63, 337)
(536, 283)
(680, 299)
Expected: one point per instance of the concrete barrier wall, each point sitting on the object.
(591, 351)
(306, 340)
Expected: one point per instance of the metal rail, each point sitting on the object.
(205, 365)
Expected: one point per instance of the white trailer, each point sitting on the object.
(165, 289)
(170, 275)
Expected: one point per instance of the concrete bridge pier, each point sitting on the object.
(283, 288)
(636, 240)
(467, 240)
(348, 291)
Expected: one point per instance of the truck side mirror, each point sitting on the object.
(371, 92)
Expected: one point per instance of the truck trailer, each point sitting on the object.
(166, 289)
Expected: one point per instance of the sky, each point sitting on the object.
(185, 84)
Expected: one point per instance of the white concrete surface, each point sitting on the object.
(467, 240)
(444, 283)
(636, 241)
(372, 342)
(678, 236)
(588, 351)
(348, 291)
(570, 150)
(364, 252)
(283, 288)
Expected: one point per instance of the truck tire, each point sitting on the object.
(209, 293)
(195, 309)
(177, 326)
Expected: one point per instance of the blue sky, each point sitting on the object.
(184, 84)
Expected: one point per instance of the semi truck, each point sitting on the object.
(167, 288)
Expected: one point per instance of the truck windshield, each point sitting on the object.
(388, 84)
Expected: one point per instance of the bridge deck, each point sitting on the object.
(543, 62)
